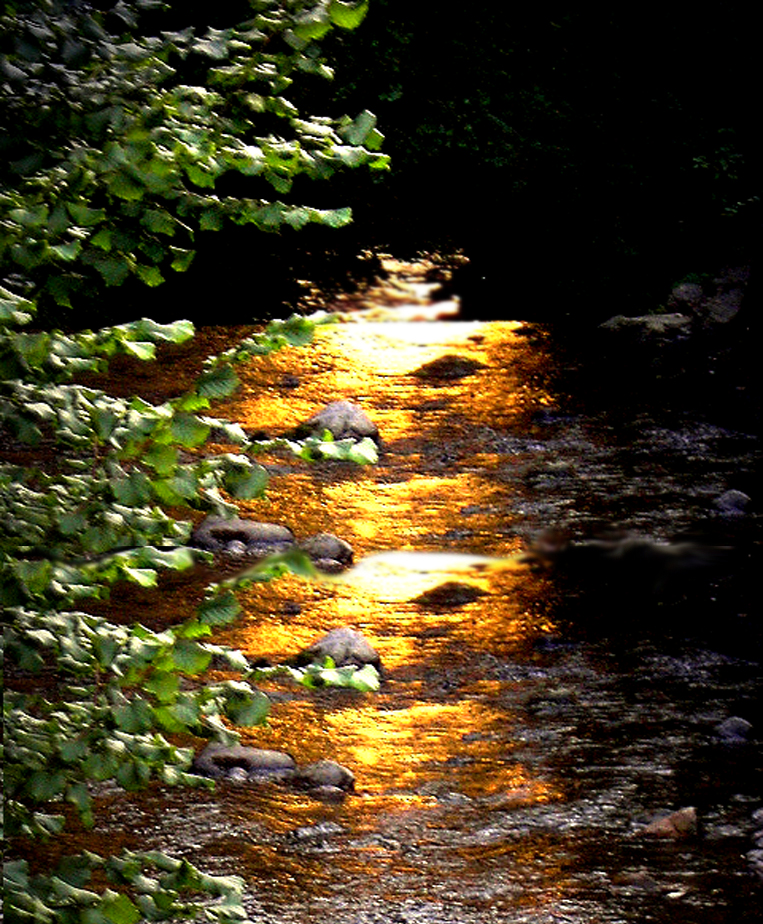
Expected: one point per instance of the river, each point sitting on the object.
(522, 740)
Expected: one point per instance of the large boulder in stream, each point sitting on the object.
(237, 762)
(343, 419)
(238, 536)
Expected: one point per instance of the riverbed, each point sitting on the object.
(522, 740)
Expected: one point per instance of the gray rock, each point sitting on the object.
(734, 730)
(344, 646)
(325, 773)
(733, 503)
(723, 307)
(237, 775)
(236, 548)
(755, 859)
(219, 761)
(686, 297)
(343, 419)
(238, 536)
(327, 552)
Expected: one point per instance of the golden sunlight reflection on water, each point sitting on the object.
(404, 518)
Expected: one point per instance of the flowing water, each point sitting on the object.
(522, 739)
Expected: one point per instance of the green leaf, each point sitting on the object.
(150, 275)
(219, 610)
(133, 716)
(85, 216)
(250, 711)
(143, 351)
(356, 131)
(67, 252)
(164, 685)
(119, 909)
(44, 785)
(125, 187)
(246, 484)
(162, 458)
(347, 15)
(190, 657)
(217, 383)
(188, 430)
(142, 576)
(181, 259)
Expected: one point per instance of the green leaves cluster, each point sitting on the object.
(114, 147)
(160, 887)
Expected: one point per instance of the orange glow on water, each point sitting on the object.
(395, 514)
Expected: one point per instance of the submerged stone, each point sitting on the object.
(449, 367)
(449, 594)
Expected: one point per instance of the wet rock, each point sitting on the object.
(733, 503)
(238, 536)
(328, 553)
(344, 646)
(237, 775)
(654, 329)
(734, 730)
(717, 302)
(686, 297)
(449, 594)
(236, 548)
(325, 773)
(238, 762)
(343, 419)
(682, 823)
(315, 833)
(755, 859)
(449, 367)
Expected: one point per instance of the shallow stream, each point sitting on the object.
(522, 740)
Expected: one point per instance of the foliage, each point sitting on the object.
(113, 159)
(161, 887)
(95, 517)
